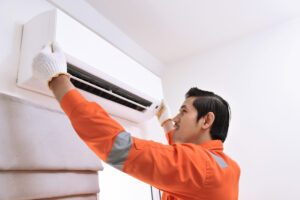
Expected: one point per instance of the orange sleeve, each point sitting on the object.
(178, 168)
(91, 122)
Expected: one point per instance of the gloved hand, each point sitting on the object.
(163, 114)
(47, 64)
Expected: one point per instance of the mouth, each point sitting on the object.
(176, 127)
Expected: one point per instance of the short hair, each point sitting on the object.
(209, 102)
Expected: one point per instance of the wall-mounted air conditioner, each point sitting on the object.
(103, 73)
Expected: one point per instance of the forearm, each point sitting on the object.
(60, 86)
(91, 122)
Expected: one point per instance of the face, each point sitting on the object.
(187, 129)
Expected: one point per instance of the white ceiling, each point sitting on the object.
(171, 30)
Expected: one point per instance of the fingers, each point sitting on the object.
(56, 48)
(47, 48)
(51, 47)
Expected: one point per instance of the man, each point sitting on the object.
(193, 165)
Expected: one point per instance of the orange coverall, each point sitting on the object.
(182, 171)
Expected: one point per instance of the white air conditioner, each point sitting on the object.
(103, 73)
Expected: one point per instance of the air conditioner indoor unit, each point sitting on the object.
(101, 72)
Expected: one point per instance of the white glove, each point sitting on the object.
(163, 114)
(47, 64)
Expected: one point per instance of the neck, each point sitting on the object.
(204, 137)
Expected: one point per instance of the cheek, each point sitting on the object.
(187, 123)
(190, 125)
(189, 119)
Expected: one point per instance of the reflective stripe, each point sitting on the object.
(120, 150)
(219, 160)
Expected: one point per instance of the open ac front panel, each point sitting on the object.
(115, 96)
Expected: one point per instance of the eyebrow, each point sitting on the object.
(183, 106)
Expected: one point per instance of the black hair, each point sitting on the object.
(209, 102)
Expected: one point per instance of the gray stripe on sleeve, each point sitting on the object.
(219, 160)
(120, 150)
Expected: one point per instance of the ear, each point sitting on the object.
(208, 120)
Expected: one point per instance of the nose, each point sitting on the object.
(176, 118)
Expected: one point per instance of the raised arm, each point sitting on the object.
(171, 168)
(60, 86)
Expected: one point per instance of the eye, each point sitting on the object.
(182, 111)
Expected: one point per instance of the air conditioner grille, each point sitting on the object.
(107, 87)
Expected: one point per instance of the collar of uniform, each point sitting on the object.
(213, 145)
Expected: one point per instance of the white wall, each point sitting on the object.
(259, 77)
(13, 14)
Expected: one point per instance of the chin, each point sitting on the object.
(175, 138)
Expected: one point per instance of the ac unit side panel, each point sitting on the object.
(36, 33)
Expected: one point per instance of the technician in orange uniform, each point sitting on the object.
(192, 167)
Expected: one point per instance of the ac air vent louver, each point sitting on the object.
(97, 86)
